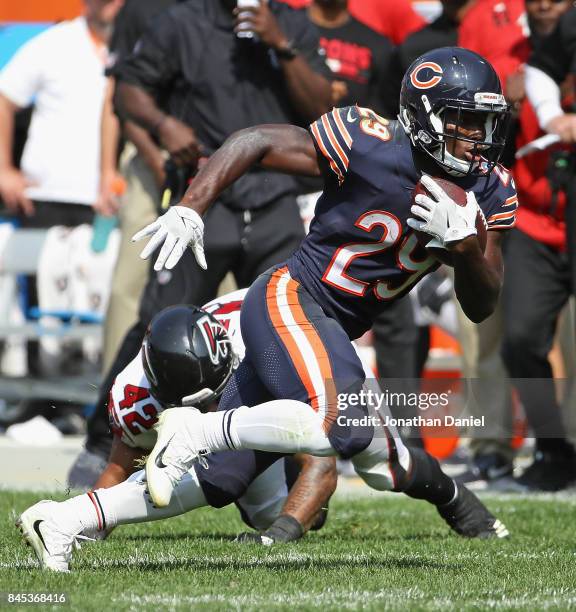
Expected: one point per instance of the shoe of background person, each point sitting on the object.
(48, 537)
(486, 471)
(70, 424)
(38, 431)
(470, 518)
(86, 470)
(549, 471)
(174, 453)
(12, 413)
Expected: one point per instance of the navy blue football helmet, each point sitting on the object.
(456, 83)
(187, 357)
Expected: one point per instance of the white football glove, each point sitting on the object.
(441, 217)
(178, 228)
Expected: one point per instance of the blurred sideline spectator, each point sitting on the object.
(442, 32)
(537, 283)
(142, 165)
(68, 92)
(191, 58)
(394, 19)
(547, 68)
(357, 55)
(60, 71)
(496, 29)
(549, 65)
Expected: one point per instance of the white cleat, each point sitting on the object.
(52, 545)
(174, 453)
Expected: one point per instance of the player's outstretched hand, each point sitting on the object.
(440, 216)
(175, 230)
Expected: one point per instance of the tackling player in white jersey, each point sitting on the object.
(186, 358)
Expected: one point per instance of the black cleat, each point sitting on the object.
(470, 518)
(549, 472)
(488, 467)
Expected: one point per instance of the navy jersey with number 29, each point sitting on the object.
(360, 252)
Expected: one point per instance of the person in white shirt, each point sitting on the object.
(66, 170)
(60, 72)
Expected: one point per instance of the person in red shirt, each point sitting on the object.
(537, 284)
(392, 18)
(541, 215)
(496, 29)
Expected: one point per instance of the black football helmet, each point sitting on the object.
(454, 81)
(187, 357)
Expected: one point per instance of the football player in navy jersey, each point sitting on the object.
(298, 319)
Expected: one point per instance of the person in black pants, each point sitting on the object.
(542, 276)
(191, 82)
(536, 288)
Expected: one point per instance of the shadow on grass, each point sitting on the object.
(215, 537)
(311, 539)
(285, 564)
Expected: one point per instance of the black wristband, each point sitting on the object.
(284, 529)
(287, 52)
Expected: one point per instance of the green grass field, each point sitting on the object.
(375, 553)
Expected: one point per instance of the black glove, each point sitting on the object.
(284, 529)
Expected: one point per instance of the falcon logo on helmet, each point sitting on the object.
(434, 75)
(216, 339)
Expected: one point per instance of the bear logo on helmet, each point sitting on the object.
(434, 78)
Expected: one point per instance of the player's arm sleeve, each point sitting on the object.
(544, 95)
(21, 78)
(502, 214)
(155, 61)
(333, 136)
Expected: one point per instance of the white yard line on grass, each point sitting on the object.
(352, 599)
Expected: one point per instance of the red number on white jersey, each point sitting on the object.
(133, 394)
(146, 420)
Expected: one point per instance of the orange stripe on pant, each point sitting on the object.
(294, 351)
